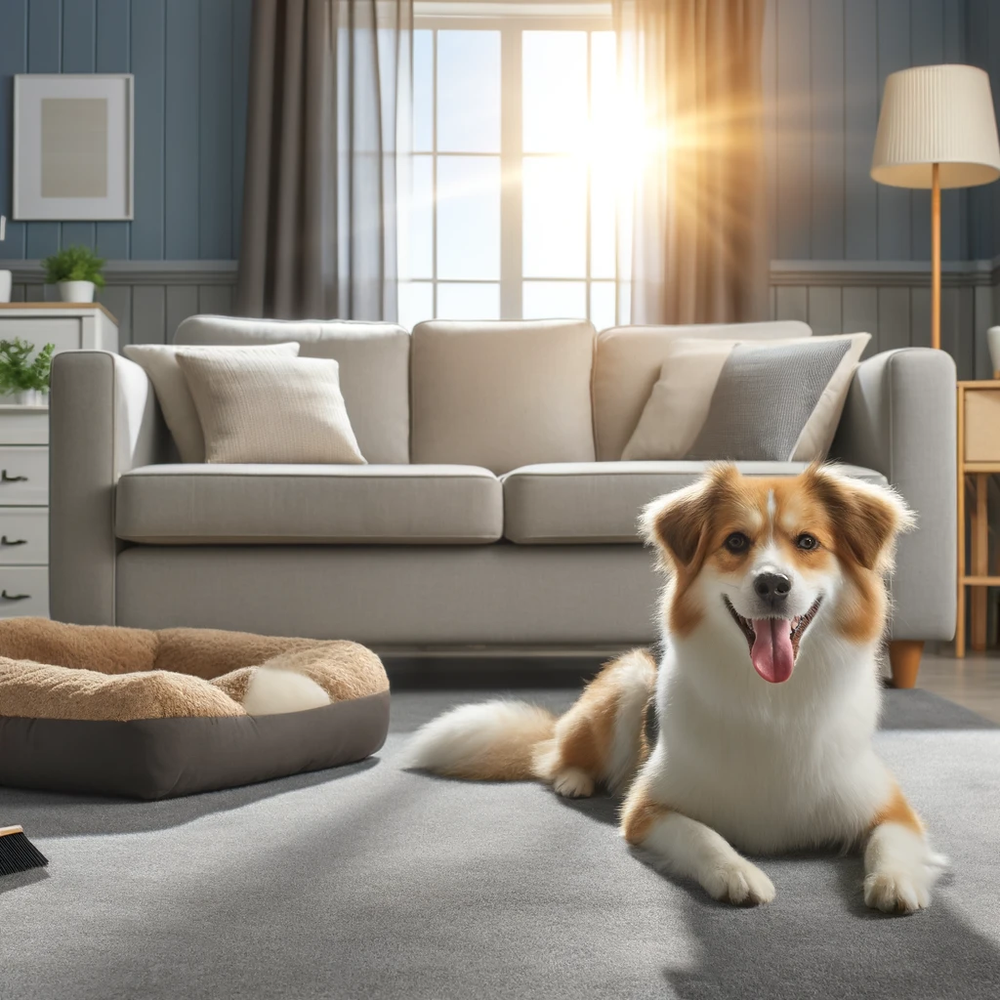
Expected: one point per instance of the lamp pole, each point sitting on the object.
(936, 255)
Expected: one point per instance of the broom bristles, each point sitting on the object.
(17, 853)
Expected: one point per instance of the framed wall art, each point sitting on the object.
(73, 146)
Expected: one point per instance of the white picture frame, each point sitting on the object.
(73, 147)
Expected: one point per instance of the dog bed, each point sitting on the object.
(151, 715)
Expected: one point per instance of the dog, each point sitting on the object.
(767, 695)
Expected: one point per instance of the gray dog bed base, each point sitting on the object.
(164, 758)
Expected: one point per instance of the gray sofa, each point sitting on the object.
(494, 514)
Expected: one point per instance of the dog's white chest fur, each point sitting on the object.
(770, 767)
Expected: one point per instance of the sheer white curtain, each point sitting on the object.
(699, 244)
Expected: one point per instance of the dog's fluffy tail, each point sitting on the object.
(492, 741)
(600, 740)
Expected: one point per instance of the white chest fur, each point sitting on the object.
(771, 767)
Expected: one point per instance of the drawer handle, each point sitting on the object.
(4, 540)
(14, 597)
(4, 478)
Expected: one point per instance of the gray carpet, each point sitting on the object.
(368, 881)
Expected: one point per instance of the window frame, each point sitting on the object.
(511, 20)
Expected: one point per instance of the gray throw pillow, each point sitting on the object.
(763, 399)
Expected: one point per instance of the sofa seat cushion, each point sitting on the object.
(282, 504)
(593, 502)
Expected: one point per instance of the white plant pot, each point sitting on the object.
(993, 341)
(76, 291)
(5, 281)
(27, 397)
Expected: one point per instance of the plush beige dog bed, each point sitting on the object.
(150, 714)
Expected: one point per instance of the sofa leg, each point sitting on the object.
(904, 658)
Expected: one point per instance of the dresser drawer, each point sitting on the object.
(24, 536)
(23, 424)
(24, 477)
(24, 590)
(982, 425)
(64, 332)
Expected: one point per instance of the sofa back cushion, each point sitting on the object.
(502, 394)
(627, 365)
(374, 363)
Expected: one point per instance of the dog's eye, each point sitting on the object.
(737, 542)
(807, 542)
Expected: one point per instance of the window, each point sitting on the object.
(517, 202)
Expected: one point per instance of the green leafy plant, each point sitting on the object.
(74, 264)
(18, 371)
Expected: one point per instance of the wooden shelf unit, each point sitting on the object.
(978, 459)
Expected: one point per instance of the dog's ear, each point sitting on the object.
(679, 522)
(867, 518)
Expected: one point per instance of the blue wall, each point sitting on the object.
(825, 64)
(189, 58)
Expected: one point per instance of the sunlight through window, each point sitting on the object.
(518, 203)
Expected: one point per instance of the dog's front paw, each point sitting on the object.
(739, 882)
(572, 783)
(897, 891)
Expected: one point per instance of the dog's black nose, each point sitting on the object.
(772, 587)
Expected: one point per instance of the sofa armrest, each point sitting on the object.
(899, 419)
(103, 421)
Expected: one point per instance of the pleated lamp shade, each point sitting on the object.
(937, 114)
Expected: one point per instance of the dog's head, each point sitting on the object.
(772, 559)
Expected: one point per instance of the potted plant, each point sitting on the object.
(77, 272)
(5, 276)
(23, 379)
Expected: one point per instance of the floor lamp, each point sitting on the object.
(937, 130)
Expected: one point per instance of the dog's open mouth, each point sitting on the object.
(774, 642)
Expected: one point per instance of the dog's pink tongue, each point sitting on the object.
(772, 654)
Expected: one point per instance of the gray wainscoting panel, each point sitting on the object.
(149, 314)
(889, 300)
(182, 301)
(859, 310)
(826, 310)
(792, 302)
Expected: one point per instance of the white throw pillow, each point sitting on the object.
(257, 407)
(160, 364)
(680, 401)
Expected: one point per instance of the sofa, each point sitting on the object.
(495, 514)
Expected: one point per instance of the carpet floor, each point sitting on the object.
(369, 881)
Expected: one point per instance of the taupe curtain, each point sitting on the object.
(327, 119)
(699, 246)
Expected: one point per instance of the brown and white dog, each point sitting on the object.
(767, 695)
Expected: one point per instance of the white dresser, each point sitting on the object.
(24, 450)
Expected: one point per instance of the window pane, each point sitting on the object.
(468, 215)
(554, 78)
(554, 217)
(605, 107)
(625, 303)
(420, 238)
(416, 303)
(603, 195)
(602, 305)
(468, 93)
(423, 91)
(468, 301)
(554, 300)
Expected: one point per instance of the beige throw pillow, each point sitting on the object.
(160, 364)
(266, 408)
(680, 401)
